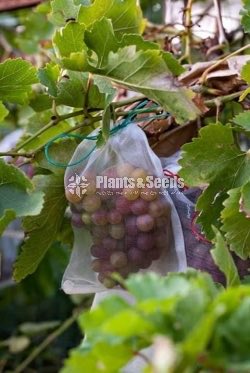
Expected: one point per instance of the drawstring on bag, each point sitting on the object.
(139, 109)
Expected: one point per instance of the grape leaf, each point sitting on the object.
(245, 200)
(126, 15)
(40, 102)
(63, 10)
(208, 155)
(213, 159)
(223, 259)
(37, 25)
(236, 225)
(72, 91)
(243, 120)
(101, 39)
(48, 76)
(17, 196)
(70, 47)
(173, 64)
(146, 72)
(16, 78)
(245, 72)
(42, 230)
(60, 152)
(3, 111)
(136, 39)
(210, 205)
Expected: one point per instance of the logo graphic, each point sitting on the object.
(77, 185)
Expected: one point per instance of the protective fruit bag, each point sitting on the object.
(123, 219)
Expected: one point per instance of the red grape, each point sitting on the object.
(108, 282)
(99, 217)
(139, 173)
(131, 225)
(156, 208)
(120, 245)
(123, 205)
(114, 217)
(135, 256)
(130, 241)
(72, 197)
(100, 252)
(131, 194)
(139, 207)
(118, 259)
(99, 231)
(96, 265)
(125, 170)
(110, 243)
(117, 231)
(76, 221)
(148, 194)
(86, 218)
(91, 203)
(145, 241)
(145, 223)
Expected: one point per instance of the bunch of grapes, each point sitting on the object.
(128, 226)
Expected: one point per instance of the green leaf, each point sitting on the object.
(3, 111)
(70, 47)
(73, 87)
(236, 225)
(245, 200)
(126, 15)
(209, 159)
(223, 259)
(16, 78)
(42, 230)
(37, 25)
(60, 152)
(101, 39)
(208, 155)
(17, 196)
(173, 64)
(63, 10)
(48, 76)
(146, 72)
(243, 120)
(40, 102)
(245, 72)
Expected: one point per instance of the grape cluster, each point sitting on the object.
(128, 227)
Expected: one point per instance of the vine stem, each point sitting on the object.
(223, 99)
(47, 341)
(55, 120)
(52, 123)
(188, 33)
(203, 78)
